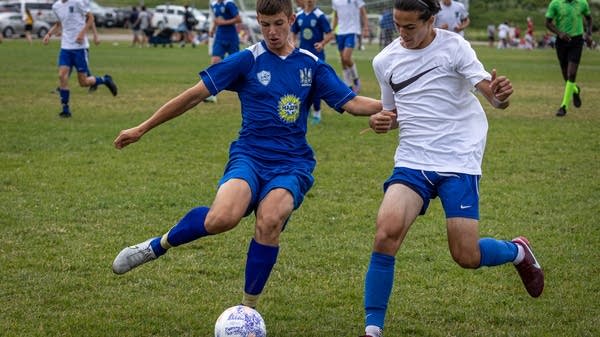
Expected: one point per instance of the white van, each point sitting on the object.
(171, 16)
(41, 10)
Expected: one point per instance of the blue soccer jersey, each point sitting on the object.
(225, 9)
(311, 28)
(275, 94)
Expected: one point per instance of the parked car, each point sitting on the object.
(12, 25)
(104, 16)
(40, 9)
(171, 16)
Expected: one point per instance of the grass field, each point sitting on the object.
(69, 202)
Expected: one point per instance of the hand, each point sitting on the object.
(218, 21)
(127, 137)
(564, 36)
(318, 46)
(382, 122)
(501, 87)
(46, 38)
(96, 40)
(588, 40)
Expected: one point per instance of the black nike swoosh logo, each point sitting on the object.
(399, 86)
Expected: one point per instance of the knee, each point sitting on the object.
(220, 221)
(467, 259)
(268, 227)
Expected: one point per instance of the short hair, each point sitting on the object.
(428, 8)
(273, 7)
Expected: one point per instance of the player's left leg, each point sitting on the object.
(316, 113)
(272, 214)
(460, 199)
(84, 74)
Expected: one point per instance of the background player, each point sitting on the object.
(349, 17)
(224, 33)
(565, 19)
(313, 31)
(75, 19)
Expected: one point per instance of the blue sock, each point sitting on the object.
(317, 104)
(378, 287)
(188, 229)
(99, 80)
(496, 252)
(64, 96)
(259, 263)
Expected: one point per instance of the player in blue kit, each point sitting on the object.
(74, 20)
(224, 33)
(314, 32)
(271, 163)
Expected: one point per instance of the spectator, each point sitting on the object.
(503, 35)
(135, 26)
(188, 24)
(491, 32)
(144, 20)
(28, 20)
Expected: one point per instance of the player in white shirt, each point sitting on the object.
(74, 20)
(426, 78)
(349, 17)
(453, 16)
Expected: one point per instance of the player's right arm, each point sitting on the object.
(54, 28)
(173, 108)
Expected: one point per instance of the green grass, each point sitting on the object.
(69, 202)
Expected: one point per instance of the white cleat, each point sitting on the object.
(133, 256)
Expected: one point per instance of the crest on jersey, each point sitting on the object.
(300, 22)
(307, 34)
(289, 108)
(313, 22)
(264, 77)
(306, 77)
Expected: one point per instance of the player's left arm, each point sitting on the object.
(362, 106)
(497, 91)
(588, 30)
(364, 21)
(93, 28)
(464, 23)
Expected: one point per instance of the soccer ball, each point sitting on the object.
(240, 321)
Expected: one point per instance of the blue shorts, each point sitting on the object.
(458, 192)
(77, 58)
(345, 41)
(221, 47)
(264, 178)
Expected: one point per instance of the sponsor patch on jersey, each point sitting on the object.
(289, 108)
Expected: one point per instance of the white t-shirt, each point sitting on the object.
(442, 125)
(451, 15)
(503, 31)
(348, 15)
(72, 15)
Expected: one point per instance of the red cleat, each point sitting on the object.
(529, 269)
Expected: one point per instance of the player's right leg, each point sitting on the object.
(230, 205)
(399, 208)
